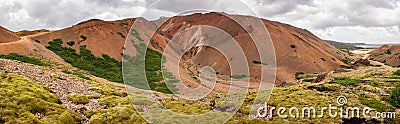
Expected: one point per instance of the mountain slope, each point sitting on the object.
(297, 50)
(7, 36)
(389, 55)
(101, 37)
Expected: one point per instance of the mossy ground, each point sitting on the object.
(78, 98)
(22, 100)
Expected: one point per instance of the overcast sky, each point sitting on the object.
(369, 21)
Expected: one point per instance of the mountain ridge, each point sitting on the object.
(296, 49)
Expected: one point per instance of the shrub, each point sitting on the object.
(83, 38)
(71, 43)
(308, 80)
(345, 81)
(31, 60)
(395, 98)
(153, 70)
(258, 62)
(297, 75)
(107, 68)
(120, 34)
(124, 23)
(78, 98)
(397, 73)
(37, 41)
(239, 76)
(388, 51)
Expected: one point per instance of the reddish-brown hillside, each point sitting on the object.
(7, 36)
(389, 55)
(27, 33)
(297, 50)
(102, 37)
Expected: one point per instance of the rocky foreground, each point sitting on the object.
(59, 83)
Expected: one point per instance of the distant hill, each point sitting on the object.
(7, 36)
(340, 45)
(387, 54)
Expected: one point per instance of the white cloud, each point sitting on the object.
(342, 20)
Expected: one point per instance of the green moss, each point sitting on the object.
(186, 107)
(78, 98)
(22, 58)
(106, 89)
(118, 110)
(122, 114)
(21, 99)
(112, 101)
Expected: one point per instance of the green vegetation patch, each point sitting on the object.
(298, 74)
(107, 90)
(153, 71)
(186, 106)
(119, 109)
(260, 63)
(80, 75)
(122, 114)
(241, 76)
(124, 23)
(71, 43)
(83, 38)
(22, 99)
(104, 67)
(120, 34)
(376, 104)
(397, 73)
(345, 81)
(22, 58)
(78, 98)
(395, 98)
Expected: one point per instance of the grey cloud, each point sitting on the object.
(269, 8)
